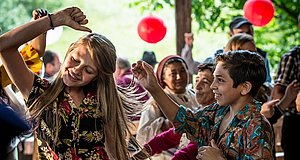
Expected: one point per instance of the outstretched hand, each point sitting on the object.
(145, 74)
(267, 109)
(72, 17)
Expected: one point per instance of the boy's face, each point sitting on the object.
(222, 87)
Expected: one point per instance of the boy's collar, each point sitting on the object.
(248, 109)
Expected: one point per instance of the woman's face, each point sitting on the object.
(175, 77)
(79, 69)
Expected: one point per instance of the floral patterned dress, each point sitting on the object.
(80, 129)
(248, 136)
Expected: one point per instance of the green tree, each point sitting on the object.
(280, 35)
(16, 12)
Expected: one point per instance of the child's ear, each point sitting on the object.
(246, 88)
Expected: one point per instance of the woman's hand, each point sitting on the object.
(210, 152)
(72, 17)
(145, 74)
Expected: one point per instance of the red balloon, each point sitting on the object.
(259, 12)
(151, 29)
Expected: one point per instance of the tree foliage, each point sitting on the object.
(16, 12)
(279, 36)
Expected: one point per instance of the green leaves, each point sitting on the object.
(16, 12)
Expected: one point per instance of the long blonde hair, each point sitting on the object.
(103, 54)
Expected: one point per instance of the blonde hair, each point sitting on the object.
(103, 54)
(236, 41)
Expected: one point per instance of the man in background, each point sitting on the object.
(187, 54)
(51, 64)
(150, 58)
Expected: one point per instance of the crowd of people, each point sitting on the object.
(96, 105)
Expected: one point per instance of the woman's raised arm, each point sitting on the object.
(16, 68)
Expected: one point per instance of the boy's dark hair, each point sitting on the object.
(48, 57)
(244, 66)
(209, 66)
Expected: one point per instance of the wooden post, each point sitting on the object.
(183, 9)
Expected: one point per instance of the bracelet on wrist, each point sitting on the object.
(50, 19)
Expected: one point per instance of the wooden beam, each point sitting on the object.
(183, 9)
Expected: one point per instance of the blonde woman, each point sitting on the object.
(79, 115)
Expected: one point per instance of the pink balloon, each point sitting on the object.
(151, 29)
(259, 12)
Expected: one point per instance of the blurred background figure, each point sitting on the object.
(187, 54)
(150, 58)
(124, 78)
(51, 63)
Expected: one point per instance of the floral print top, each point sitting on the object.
(248, 136)
(80, 131)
